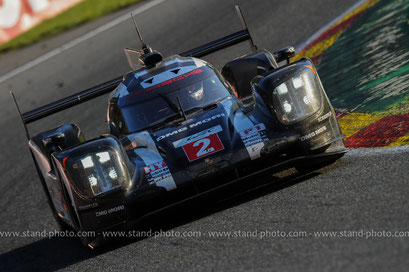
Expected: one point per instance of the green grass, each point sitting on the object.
(399, 108)
(83, 12)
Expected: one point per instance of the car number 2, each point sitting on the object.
(203, 150)
(203, 147)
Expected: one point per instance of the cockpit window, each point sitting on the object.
(152, 105)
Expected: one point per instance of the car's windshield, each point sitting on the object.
(162, 103)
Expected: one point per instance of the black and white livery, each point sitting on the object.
(178, 128)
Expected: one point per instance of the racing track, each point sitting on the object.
(367, 189)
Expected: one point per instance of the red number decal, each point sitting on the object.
(203, 147)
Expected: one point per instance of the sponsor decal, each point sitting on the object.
(111, 210)
(253, 139)
(325, 116)
(167, 82)
(154, 167)
(89, 206)
(253, 130)
(201, 144)
(199, 123)
(207, 120)
(171, 133)
(157, 172)
(313, 134)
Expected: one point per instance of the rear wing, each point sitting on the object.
(109, 86)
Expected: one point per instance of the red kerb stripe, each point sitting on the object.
(381, 133)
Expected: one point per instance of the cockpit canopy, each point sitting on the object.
(145, 99)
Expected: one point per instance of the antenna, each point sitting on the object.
(149, 57)
(137, 29)
(145, 47)
(19, 113)
(243, 22)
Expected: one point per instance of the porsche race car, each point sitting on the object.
(178, 128)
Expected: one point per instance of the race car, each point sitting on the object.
(179, 128)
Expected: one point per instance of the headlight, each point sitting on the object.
(297, 98)
(99, 171)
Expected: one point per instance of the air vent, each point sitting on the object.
(175, 71)
(149, 81)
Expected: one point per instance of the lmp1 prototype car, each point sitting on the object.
(179, 128)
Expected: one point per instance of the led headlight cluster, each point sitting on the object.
(101, 172)
(98, 172)
(297, 98)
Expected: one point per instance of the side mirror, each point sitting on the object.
(113, 130)
(54, 141)
(284, 54)
(249, 102)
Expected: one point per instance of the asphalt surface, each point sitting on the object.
(365, 190)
